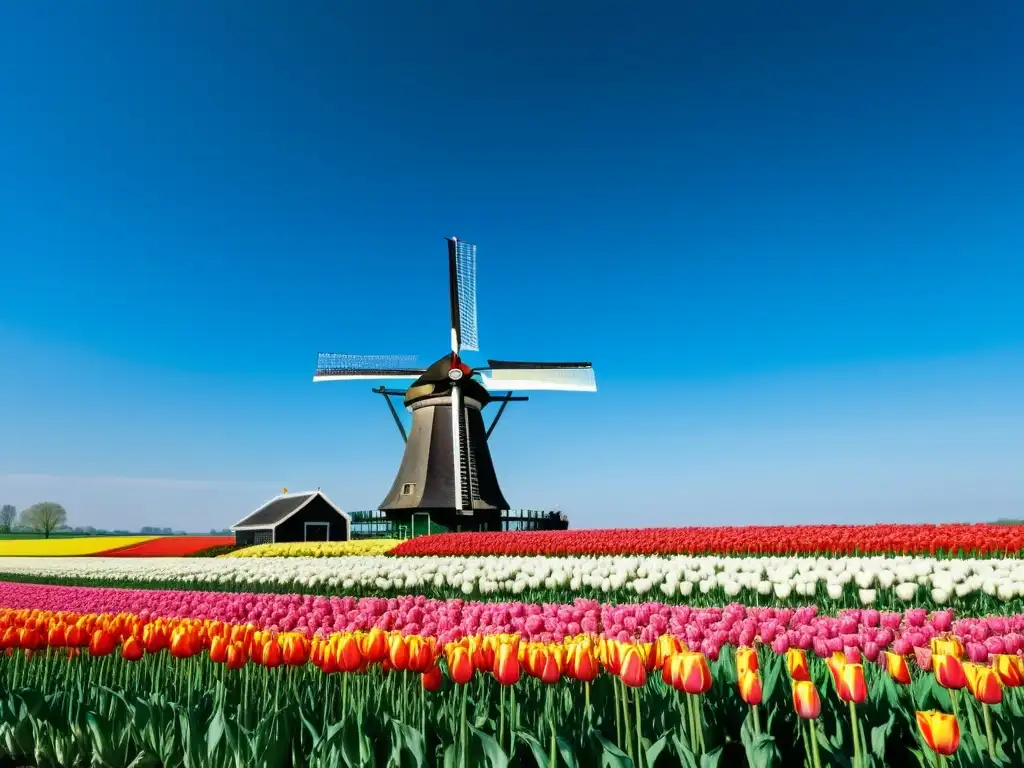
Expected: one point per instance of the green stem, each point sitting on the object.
(639, 731)
(856, 738)
(972, 719)
(550, 712)
(698, 709)
(618, 725)
(988, 732)
(693, 723)
(625, 719)
(462, 729)
(513, 721)
(757, 720)
(808, 760)
(501, 715)
(814, 745)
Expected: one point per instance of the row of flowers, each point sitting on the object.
(981, 585)
(863, 631)
(508, 657)
(357, 547)
(953, 539)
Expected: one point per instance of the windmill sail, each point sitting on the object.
(332, 367)
(462, 286)
(561, 377)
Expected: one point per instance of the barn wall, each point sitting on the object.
(317, 511)
(245, 538)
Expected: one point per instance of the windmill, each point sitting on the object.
(446, 469)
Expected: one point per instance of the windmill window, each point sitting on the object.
(408, 488)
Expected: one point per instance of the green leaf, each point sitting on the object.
(567, 752)
(712, 759)
(489, 748)
(611, 755)
(410, 741)
(763, 752)
(880, 736)
(655, 749)
(214, 733)
(682, 750)
(539, 753)
(772, 673)
(99, 729)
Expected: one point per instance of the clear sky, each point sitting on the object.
(789, 236)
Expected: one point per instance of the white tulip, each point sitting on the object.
(906, 591)
(867, 596)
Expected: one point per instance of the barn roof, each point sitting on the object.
(280, 508)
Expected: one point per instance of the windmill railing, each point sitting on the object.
(374, 524)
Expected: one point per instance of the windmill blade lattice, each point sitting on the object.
(462, 272)
(334, 367)
(560, 377)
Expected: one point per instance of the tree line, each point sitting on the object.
(44, 517)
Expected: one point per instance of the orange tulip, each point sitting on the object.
(218, 650)
(431, 679)
(852, 685)
(374, 645)
(835, 664)
(460, 665)
(1009, 668)
(667, 645)
(236, 657)
(696, 676)
(181, 643)
(347, 657)
(55, 637)
(983, 683)
(750, 687)
(154, 637)
(131, 649)
(74, 636)
(294, 651)
(672, 671)
(947, 646)
(582, 663)
(632, 669)
(506, 664)
(101, 643)
(612, 657)
(552, 664)
(398, 653)
(941, 732)
(421, 653)
(746, 661)
(796, 664)
(806, 700)
(271, 654)
(897, 668)
(949, 672)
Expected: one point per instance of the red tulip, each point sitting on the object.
(506, 665)
(131, 649)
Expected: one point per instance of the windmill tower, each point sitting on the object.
(446, 470)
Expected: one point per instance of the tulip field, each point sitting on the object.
(691, 647)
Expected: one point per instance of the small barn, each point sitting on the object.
(307, 516)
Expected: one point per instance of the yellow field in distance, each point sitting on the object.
(66, 545)
(319, 548)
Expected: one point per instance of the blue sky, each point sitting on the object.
(789, 239)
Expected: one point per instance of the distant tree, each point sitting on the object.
(8, 514)
(44, 517)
